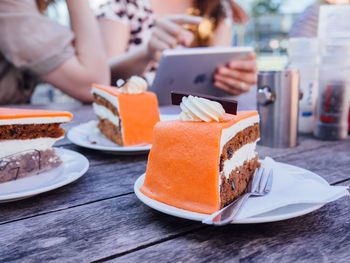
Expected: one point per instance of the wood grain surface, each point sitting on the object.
(98, 217)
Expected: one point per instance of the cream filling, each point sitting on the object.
(200, 109)
(245, 153)
(105, 113)
(10, 147)
(34, 120)
(134, 85)
(112, 99)
(228, 133)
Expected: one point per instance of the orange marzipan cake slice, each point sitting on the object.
(202, 166)
(125, 118)
(26, 140)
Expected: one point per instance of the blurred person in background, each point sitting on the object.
(136, 32)
(306, 25)
(35, 49)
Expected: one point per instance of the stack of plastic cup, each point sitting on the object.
(304, 56)
(334, 90)
(334, 79)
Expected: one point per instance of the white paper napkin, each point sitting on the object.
(291, 185)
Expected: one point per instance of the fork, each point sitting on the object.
(259, 185)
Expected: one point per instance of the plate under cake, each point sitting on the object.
(202, 166)
(126, 119)
(26, 140)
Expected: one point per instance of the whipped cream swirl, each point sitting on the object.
(134, 85)
(200, 109)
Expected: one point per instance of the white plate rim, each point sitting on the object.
(112, 149)
(29, 193)
(174, 211)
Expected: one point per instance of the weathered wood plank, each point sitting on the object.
(331, 162)
(88, 232)
(322, 236)
(306, 143)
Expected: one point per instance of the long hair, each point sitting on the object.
(43, 4)
(213, 14)
(211, 9)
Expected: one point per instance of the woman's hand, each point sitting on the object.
(169, 32)
(238, 76)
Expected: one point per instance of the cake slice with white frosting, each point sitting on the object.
(205, 159)
(26, 140)
(128, 114)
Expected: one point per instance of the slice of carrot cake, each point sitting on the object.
(26, 138)
(205, 159)
(128, 114)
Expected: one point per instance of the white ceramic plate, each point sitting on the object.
(73, 166)
(88, 135)
(278, 214)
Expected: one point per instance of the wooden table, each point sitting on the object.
(98, 217)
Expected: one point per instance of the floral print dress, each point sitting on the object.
(134, 13)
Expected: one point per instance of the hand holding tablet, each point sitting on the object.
(216, 71)
(237, 76)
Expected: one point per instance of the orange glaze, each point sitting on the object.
(11, 113)
(138, 113)
(183, 165)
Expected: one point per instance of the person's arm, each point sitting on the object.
(223, 35)
(123, 63)
(89, 64)
(167, 33)
(135, 62)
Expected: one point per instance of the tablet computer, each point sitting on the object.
(192, 70)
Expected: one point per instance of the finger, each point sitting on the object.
(182, 35)
(169, 27)
(233, 83)
(251, 57)
(225, 87)
(157, 45)
(186, 38)
(185, 19)
(240, 18)
(243, 65)
(250, 78)
(165, 37)
(157, 56)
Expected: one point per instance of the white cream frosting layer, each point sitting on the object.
(10, 147)
(245, 153)
(200, 109)
(35, 120)
(229, 133)
(134, 85)
(105, 113)
(112, 99)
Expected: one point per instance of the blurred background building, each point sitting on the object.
(267, 32)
